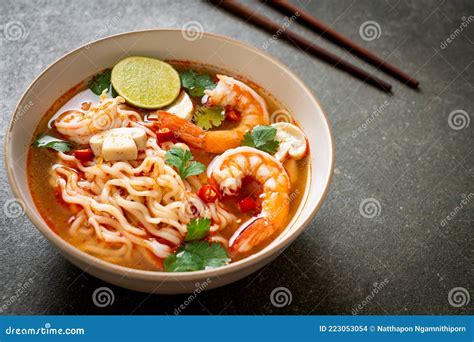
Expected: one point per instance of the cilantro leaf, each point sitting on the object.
(177, 157)
(100, 82)
(194, 168)
(183, 161)
(198, 229)
(196, 83)
(207, 118)
(47, 141)
(262, 138)
(195, 256)
(213, 255)
(182, 261)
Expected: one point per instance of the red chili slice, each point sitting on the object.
(247, 204)
(208, 193)
(83, 155)
(163, 135)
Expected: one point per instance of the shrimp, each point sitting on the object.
(228, 93)
(80, 126)
(227, 171)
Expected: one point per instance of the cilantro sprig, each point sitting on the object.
(183, 161)
(262, 138)
(208, 117)
(195, 256)
(48, 141)
(196, 83)
(198, 229)
(100, 82)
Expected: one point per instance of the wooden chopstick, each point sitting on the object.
(262, 22)
(327, 32)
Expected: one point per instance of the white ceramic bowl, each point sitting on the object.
(166, 44)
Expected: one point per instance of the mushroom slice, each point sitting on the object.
(119, 143)
(292, 141)
(181, 107)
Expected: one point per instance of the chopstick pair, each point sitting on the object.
(308, 20)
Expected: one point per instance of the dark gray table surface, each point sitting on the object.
(411, 158)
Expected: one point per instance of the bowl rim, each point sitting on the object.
(134, 273)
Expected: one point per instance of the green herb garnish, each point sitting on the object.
(196, 83)
(100, 82)
(208, 117)
(47, 141)
(198, 229)
(183, 161)
(262, 138)
(195, 256)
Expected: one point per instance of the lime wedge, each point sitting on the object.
(146, 82)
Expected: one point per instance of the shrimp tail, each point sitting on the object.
(251, 234)
(182, 129)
